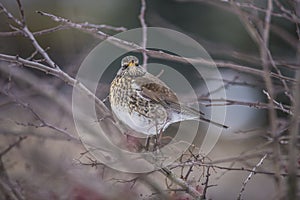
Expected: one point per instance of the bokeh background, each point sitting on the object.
(48, 165)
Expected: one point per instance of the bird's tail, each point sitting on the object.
(212, 122)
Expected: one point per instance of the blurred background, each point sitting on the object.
(47, 164)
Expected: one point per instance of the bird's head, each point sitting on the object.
(129, 61)
(130, 67)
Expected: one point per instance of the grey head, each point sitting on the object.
(130, 67)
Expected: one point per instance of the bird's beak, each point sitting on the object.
(131, 64)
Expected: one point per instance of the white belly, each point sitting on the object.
(138, 122)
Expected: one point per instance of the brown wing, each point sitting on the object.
(160, 93)
(157, 91)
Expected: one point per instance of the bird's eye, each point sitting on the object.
(124, 67)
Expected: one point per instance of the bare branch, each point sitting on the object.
(272, 113)
(144, 28)
(190, 190)
(43, 122)
(293, 141)
(230, 168)
(21, 10)
(293, 157)
(103, 26)
(258, 105)
(206, 186)
(10, 16)
(58, 73)
(250, 175)
(160, 54)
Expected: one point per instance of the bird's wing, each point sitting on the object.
(157, 91)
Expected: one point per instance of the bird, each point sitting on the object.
(145, 103)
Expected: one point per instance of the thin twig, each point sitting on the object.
(132, 181)
(258, 105)
(270, 89)
(21, 10)
(43, 122)
(206, 186)
(58, 73)
(6, 185)
(10, 15)
(228, 168)
(250, 175)
(262, 41)
(284, 14)
(103, 26)
(160, 54)
(144, 29)
(278, 105)
(11, 146)
(189, 189)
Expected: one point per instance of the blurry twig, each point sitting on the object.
(43, 122)
(293, 159)
(9, 190)
(283, 14)
(11, 146)
(225, 86)
(38, 84)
